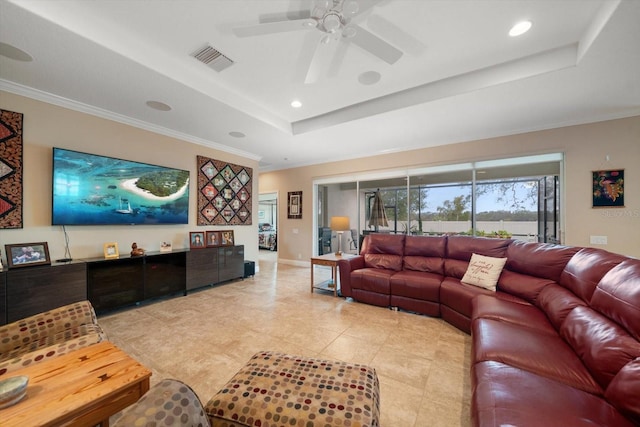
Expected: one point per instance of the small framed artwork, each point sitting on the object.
(27, 254)
(111, 250)
(213, 239)
(294, 205)
(165, 247)
(196, 240)
(608, 188)
(226, 238)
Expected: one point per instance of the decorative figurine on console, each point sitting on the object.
(135, 250)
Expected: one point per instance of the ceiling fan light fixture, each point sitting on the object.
(331, 22)
(349, 32)
(520, 28)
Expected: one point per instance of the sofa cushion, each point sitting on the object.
(425, 246)
(484, 271)
(624, 390)
(604, 346)
(557, 302)
(618, 296)
(384, 251)
(539, 259)
(525, 348)
(507, 396)
(461, 247)
(416, 284)
(585, 269)
(521, 285)
(517, 312)
(372, 279)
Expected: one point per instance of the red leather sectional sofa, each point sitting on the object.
(557, 343)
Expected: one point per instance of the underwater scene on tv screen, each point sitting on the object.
(92, 189)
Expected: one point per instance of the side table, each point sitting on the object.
(83, 388)
(329, 260)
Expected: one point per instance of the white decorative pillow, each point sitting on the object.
(484, 271)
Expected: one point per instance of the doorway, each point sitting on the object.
(268, 221)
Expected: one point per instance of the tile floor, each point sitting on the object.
(205, 337)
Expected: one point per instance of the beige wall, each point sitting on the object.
(46, 126)
(586, 148)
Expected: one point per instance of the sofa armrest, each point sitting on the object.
(34, 328)
(346, 266)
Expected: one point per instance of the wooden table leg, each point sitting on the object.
(334, 278)
(312, 276)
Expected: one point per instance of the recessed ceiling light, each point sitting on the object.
(13, 52)
(237, 134)
(520, 28)
(369, 78)
(296, 104)
(157, 105)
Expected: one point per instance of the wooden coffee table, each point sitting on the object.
(84, 388)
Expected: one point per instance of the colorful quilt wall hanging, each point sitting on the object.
(224, 193)
(10, 169)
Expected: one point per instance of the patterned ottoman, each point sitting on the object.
(276, 389)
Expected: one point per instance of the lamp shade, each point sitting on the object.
(339, 223)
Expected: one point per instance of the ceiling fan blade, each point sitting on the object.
(338, 59)
(274, 27)
(395, 34)
(320, 60)
(375, 45)
(365, 5)
(291, 15)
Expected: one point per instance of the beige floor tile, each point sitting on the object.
(205, 337)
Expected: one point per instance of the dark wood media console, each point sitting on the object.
(115, 283)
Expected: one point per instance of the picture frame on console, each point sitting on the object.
(213, 239)
(196, 240)
(27, 254)
(111, 250)
(227, 238)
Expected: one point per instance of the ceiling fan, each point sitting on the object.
(333, 19)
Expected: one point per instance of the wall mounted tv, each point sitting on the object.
(89, 189)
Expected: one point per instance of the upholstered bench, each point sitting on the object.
(276, 389)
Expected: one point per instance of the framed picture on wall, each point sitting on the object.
(294, 205)
(608, 188)
(27, 254)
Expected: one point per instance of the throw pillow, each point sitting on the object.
(484, 271)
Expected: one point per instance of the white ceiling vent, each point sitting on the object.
(212, 57)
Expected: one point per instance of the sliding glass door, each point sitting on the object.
(517, 197)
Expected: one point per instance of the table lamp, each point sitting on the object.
(339, 224)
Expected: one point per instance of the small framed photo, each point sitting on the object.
(27, 254)
(608, 188)
(111, 250)
(213, 239)
(165, 246)
(227, 238)
(196, 240)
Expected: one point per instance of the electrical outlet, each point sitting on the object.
(598, 240)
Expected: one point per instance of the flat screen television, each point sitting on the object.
(89, 189)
